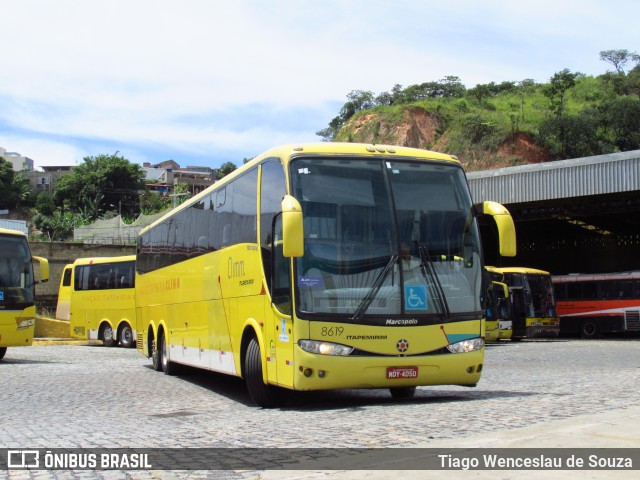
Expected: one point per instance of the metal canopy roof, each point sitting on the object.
(579, 177)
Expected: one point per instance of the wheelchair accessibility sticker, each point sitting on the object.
(415, 297)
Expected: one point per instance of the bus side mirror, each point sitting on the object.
(504, 222)
(502, 288)
(44, 268)
(292, 228)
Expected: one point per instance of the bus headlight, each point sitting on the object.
(466, 346)
(324, 348)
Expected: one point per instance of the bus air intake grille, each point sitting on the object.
(632, 319)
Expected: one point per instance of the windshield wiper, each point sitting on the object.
(426, 267)
(373, 291)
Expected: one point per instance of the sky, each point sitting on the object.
(204, 82)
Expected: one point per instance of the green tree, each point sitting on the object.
(45, 204)
(226, 169)
(524, 88)
(621, 118)
(633, 81)
(181, 193)
(556, 90)
(356, 100)
(14, 187)
(619, 58)
(571, 136)
(151, 203)
(58, 226)
(100, 184)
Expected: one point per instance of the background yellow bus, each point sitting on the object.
(532, 302)
(99, 296)
(17, 290)
(322, 266)
(498, 322)
(64, 294)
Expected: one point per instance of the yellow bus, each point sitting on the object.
(532, 303)
(99, 296)
(63, 306)
(322, 266)
(17, 290)
(498, 320)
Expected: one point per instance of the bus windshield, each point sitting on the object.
(542, 300)
(16, 273)
(386, 238)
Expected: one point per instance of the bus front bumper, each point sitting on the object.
(17, 333)
(543, 331)
(324, 372)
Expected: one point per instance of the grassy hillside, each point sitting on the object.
(496, 125)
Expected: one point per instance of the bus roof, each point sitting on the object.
(338, 148)
(522, 270)
(587, 277)
(98, 260)
(317, 148)
(6, 231)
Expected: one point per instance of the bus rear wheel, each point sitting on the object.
(168, 367)
(126, 336)
(266, 396)
(106, 335)
(589, 329)
(400, 393)
(155, 356)
(3, 351)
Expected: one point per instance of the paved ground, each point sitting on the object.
(560, 393)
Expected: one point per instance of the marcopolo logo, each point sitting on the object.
(402, 345)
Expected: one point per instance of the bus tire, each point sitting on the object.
(168, 367)
(126, 336)
(400, 393)
(106, 335)
(3, 351)
(155, 356)
(589, 329)
(265, 396)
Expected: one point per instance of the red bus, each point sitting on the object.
(595, 304)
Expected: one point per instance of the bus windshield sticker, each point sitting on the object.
(415, 297)
(311, 282)
(283, 332)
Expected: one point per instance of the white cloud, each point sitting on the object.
(44, 152)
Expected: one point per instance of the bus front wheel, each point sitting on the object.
(3, 351)
(266, 396)
(106, 335)
(126, 336)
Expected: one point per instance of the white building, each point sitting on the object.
(19, 162)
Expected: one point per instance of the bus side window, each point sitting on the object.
(66, 278)
(281, 282)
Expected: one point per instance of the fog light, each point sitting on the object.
(308, 372)
(26, 323)
(321, 373)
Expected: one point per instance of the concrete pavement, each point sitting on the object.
(612, 429)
